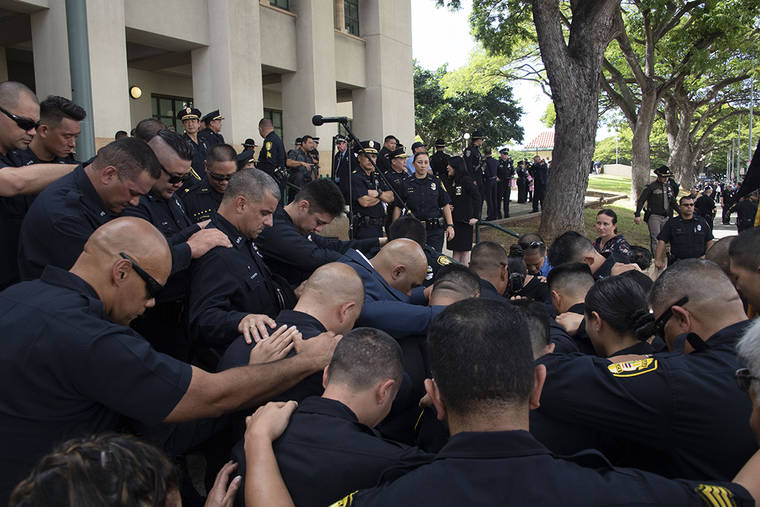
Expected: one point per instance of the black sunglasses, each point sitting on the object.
(175, 179)
(151, 284)
(536, 244)
(659, 323)
(744, 379)
(219, 177)
(23, 123)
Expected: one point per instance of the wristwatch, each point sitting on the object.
(449, 225)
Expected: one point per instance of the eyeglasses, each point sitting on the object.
(23, 123)
(173, 179)
(536, 244)
(744, 379)
(151, 284)
(662, 320)
(219, 177)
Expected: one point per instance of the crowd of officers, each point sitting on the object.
(167, 308)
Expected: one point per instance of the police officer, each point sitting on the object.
(212, 133)
(474, 162)
(440, 159)
(202, 200)
(272, 155)
(689, 235)
(490, 177)
(660, 200)
(371, 194)
(427, 199)
(190, 118)
(397, 176)
(390, 143)
(505, 173)
(540, 173)
(704, 206)
(301, 163)
(56, 137)
(522, 182)
(342, 165)
(246, 158)
(746, 210)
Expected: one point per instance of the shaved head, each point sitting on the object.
(718, 253)
(402, 263)
(335, 282)
(12, 91)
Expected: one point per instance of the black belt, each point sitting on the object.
(435, 223)
(365, 220)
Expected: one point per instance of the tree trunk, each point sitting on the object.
(641, 163)
(573, 69)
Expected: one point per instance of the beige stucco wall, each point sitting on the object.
(278, 39)
(154, 82)
(184, 20)
(349, 60)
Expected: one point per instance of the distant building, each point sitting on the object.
(542, 145)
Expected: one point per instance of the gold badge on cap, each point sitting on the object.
(188, 110)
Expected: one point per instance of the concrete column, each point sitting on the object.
(311, 89)
(50, 43)
(108, 67)
(3, 66)
(340, 15)
(227, 73)
(386, 105)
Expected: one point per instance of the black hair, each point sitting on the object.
(480, 354)
(130, 156)
(487, 256)
(458, 279)
(530, 238)
(685, 198)
(148, 128)
(119, 134)
(569, 247)
(745, 249)
(571, 274)
(419, 153)
(460, 168)
(640, 278)
(365, 356)
(611, 214)
(221, 152)
(641, 256)
(487, 151)
(54, 108)
(622, 304)
(389, 137)
(306, 138)
(408, 227)
(538, 320)
(177, 143)
(323, 196)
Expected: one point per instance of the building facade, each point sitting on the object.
(283, 59)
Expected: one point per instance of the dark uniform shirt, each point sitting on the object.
(342, 161)
(398, 182)
(199, 149)
(676, 414)
(210, 137)
(746, 211)
(488, 291)
(656, 196)
(465, 198)
(59, 223)
(425, 197)
(294, 256)
(505, 170)
(439, 161)
(226, 285)
(688, 238)
(12, 212)
(511, 468)
(201, 200)
(28, 157)
(272, 154)
(361, 183)
(69, 371)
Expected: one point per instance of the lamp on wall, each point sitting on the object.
(135, 92)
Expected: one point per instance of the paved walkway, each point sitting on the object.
(721, 231)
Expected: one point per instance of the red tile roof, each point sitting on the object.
(542, 140)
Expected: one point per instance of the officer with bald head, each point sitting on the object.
(77, 368)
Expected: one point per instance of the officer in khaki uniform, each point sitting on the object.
(660, 199)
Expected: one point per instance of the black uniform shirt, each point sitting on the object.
(59, 223)
(28, 157)
(473, 159)
(439, 161)
(199, 149)
(12, 212)
(397, 181)
(511, 468)
(226, 285)
(272, 154)
(688, 238)
(488, 291)
(210, 137)
(361, 184)
(505, 170)
(201, 201)
(69, 371)
(294, 256)
(680, 415)
(425, 196)
(465, 198)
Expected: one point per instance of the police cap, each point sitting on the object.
(315, 139)
(340, 139)
(249, 143)
(370, 147)
(243, 158)
(188, 113)
(298, 141)
(213, 115)
(440, 142)
(663, 170)
(477, 135)
(504, 151)
(399, 153)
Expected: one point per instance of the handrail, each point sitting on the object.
(495, 226)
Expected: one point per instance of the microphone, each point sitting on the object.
(318, 119)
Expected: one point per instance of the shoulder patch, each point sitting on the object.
(268, 145)
(443, 260)
(716, 496)
(346, 501)
(633, 368)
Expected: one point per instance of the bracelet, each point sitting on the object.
(449, 225)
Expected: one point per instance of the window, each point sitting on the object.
(351, 12)
(276, 116)
(282, 4)
(165, 109)
(342, 130)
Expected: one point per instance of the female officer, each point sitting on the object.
(609, 241)
(426, 198)
(465, 199)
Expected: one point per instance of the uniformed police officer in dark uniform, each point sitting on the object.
(342, 164)
(202, 200)
(746, 211)
(474, 162)
(439, 160)
(397, 177)
(660, 198)
(540, 173)
(390, 144)
(490, 176)
(688, 234)
(56, 137)
(505, 173)
(165, 324)
(427, 199)
(190, 118)
(212, 133)
(272, 155)
(246, 158)
(370, 193)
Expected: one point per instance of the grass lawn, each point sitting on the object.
(609, 183)
(635, 234)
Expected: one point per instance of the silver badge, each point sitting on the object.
(432, 186)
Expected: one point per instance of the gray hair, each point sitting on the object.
(748, 349)
(253, 184)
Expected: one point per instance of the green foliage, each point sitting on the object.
(448, 113)
(549, 117)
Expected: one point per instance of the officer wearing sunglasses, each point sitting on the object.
(202, 199)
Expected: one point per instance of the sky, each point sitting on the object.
(440, 36)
